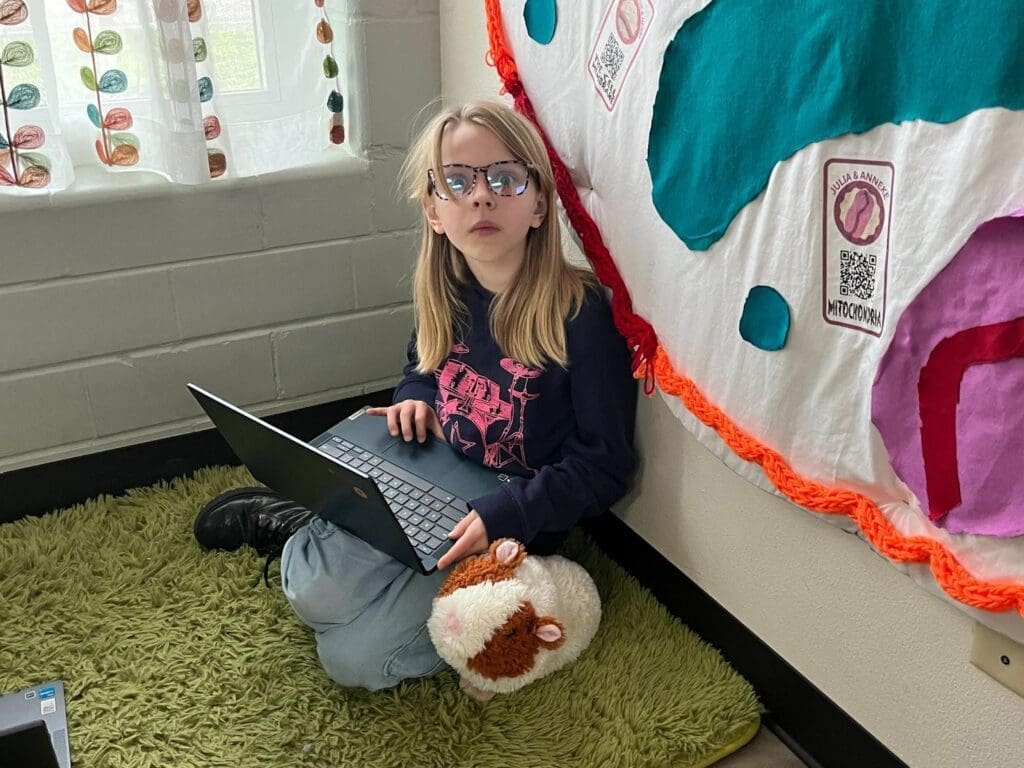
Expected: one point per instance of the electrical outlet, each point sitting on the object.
(999, 657)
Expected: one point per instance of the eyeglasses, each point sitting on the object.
(508, 178)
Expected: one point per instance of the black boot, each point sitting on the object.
(259, 517)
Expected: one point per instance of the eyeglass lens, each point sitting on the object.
(507, 179)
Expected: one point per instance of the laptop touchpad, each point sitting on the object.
(439, 463)
(431, 459)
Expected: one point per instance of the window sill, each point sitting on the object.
(142, 220)
(93, 185)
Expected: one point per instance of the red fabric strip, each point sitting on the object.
(938, 389)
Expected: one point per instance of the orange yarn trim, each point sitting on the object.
(949, 573)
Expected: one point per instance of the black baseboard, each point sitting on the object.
(40, 489)
(807, 721)
(810, 724)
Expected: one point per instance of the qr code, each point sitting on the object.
(857, 274)
(611, 57)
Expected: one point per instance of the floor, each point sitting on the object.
(763, 751)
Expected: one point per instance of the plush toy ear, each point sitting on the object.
(506, 551)
(549, 631)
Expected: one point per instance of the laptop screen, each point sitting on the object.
(28, 746)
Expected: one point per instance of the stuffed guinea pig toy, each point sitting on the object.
(503, 619)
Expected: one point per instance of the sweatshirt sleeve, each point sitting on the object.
(415, 385)
(597, 459)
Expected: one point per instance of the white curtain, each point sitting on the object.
(194, 90)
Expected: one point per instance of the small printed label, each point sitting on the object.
(47, 693)
(48, 706)
(617, 44)
(857, 215)
(30, 695)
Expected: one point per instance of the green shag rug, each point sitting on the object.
(176, 657)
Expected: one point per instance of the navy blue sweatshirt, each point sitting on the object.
(565, 436)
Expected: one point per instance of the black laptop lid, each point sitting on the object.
(303, 474)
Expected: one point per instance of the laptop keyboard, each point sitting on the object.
(427, 513)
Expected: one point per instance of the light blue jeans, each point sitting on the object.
(368, 610)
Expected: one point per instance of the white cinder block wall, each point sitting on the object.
(277, 292)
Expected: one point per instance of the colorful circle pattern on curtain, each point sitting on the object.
(18, 165)
(215, 156)
(335, 101)
(116, 145)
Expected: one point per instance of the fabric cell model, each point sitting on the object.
(812, 224)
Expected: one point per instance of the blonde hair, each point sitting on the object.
(527, 319)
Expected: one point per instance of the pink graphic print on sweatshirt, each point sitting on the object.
(464, 392)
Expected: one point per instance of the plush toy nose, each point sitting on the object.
(452, 623)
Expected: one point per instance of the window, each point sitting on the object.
(190, 89)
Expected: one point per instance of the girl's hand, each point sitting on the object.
(413, 418)
(471, 538)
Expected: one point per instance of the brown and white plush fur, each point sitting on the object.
(503, 619)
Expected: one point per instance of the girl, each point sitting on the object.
(514, 361)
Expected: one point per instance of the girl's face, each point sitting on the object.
(488, 229)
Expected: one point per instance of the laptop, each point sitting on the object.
(403, 498)
(34, 728)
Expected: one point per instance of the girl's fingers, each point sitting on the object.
(408, 420)
(412, 418)
(452, 555)
(423, 412)
(466, 545)
(459, 528)
(434, 424)
(471, 537)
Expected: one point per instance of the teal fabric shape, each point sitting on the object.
(540, 16)
(765, 319)
(746, 84)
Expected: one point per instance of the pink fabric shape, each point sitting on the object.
(982, 285)
(938, 390)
